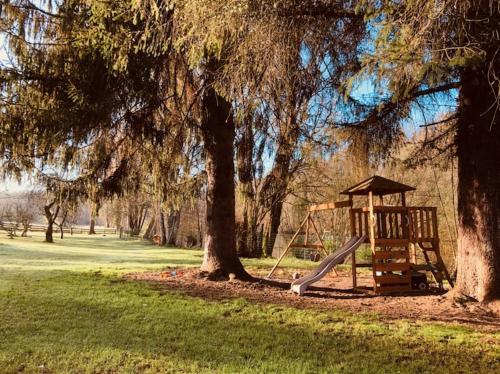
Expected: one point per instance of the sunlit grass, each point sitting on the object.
(110, 253)
(64, 308)
(84, 252)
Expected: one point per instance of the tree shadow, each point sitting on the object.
(93, 316)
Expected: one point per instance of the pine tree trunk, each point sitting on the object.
(218, 133)
(478, 148)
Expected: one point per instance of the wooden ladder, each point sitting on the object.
(438, 269)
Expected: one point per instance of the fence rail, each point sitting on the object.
(13, 227)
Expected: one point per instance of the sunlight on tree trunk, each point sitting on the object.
(218, 132)
(478, 142)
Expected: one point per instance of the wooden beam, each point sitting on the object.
(386, 208)
(310, 246)
(364, 265)
(393, 279)
(392, 242)
(384, 255)
(392, 266)
(371, 234)
(328, 206)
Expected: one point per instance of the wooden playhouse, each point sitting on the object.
(395, 234)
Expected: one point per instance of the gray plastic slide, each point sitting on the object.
(301, 284)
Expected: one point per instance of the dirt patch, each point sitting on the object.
(333, 292)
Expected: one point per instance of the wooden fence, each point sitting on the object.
(13, 228)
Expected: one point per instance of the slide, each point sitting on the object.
(300, 285)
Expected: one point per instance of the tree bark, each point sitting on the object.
(218, 133)
(173, 221)
(51, 217)
(61, 225)
(92, 226)
(136, 217)
(478, 147)
(246, 233)
(276, 184)
(150, 228)
(274, 224)
(163, 232)
(94, 212)
(48, 233)
(25, 230)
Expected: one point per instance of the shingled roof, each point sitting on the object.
(378, 186)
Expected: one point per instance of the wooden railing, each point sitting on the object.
(395, 225)
(423, 223)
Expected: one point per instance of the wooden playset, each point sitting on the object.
(393, 232)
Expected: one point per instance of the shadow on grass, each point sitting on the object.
(95, 323)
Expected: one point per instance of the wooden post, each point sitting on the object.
(437, 249)
(371, 232)
(371, 221)
(307, 232)
(353, 256)
(403, 199)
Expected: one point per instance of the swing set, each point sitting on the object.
(394, 232)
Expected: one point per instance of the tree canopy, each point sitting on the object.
(101, 91)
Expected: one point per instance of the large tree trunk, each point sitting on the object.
(478, 142)
(218, 132)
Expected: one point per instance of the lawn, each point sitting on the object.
(64, 308)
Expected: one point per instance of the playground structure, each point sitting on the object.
(394, 232)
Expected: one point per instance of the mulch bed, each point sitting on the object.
(333, 292)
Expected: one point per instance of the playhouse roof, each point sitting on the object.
(378, 186)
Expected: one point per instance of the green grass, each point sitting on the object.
(63, 308)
